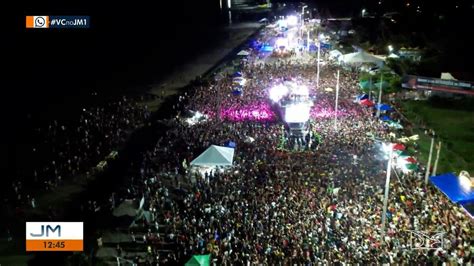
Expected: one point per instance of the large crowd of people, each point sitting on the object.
(289, 206)
(67, 149)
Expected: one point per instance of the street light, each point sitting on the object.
(390, 48)
(337, 98)
(317, 63)
(302, 19)
(302, 14)
(379, 102)
(363, 12)
(387, 187)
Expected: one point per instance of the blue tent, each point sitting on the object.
(230, 144)
(451, 186)
(326, 45)
(237, 74)
(266, 48)
(237, 92)
(385, 118)
(383, 107)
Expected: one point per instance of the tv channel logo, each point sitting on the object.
(37, 22)
(54, 236)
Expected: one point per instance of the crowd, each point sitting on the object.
(67, 149)
(275, 207)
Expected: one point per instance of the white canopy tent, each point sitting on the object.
(215, 156)
(128, 207)
(361, 58)
(335, 54)
(447, 75)
(243, 53)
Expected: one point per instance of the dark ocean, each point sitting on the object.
(54, 73)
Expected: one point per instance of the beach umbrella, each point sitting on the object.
(367, 102)
(411, 166)
(411, 160)
(383, 107)
(237, 92)
(385, 118)
(399, 147)
(237, 74)
(365, 84)
(199, 260)
(401, 153)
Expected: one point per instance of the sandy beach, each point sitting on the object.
(198, 66)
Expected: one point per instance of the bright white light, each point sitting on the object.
(292, 20)
(281, 42)
(239, 80)
(282, 23)
(297, 113)
(465, 182)
(277, 92)
(390, 48)
(386, 147)
(300, 90)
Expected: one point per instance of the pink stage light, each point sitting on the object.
(252, 112)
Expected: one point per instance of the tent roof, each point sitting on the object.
(243, 52)
(128, 207)
(361, 57)
(199, 260)
(447, 75)
(451, 186)
(215, 156)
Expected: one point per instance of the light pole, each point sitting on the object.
(302, 20)
(302, 15)
(437, 158)
(317, 64)
(337, 98)
(427, 172)
(387, 187)
(390, 49)
(380, 95)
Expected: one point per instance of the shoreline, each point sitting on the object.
(203, 64)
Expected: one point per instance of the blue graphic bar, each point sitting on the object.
(69, 22)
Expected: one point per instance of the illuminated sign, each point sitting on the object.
(445, 85)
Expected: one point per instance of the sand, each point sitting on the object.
(198, 66)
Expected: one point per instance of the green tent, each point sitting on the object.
(365, 84)
(411, 166)
(402, 153)
(199, 260)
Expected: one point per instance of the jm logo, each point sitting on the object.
(48, 229)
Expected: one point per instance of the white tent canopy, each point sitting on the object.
(361, 58)
(128, 207)
(335, 54)
(243, 53)
(215, 156)
(447, 75)
(394, 56)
